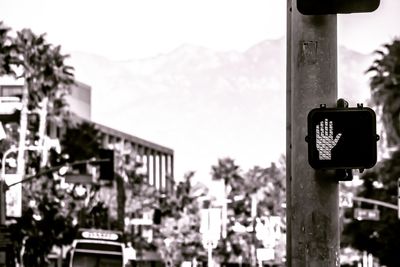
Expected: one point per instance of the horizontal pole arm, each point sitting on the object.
(376, 202)
(56, 168)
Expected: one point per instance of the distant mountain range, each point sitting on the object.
(206, 104)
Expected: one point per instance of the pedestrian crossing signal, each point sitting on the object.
(325, 7)
(342, 138)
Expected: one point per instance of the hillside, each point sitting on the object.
(206, 104)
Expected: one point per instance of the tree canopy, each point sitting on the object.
(261, 187)
(47, 80)
(380, 182)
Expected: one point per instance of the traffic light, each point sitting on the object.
(325, 7)
(106, 167)
(33, 122)
(342, 138)
(157, 216)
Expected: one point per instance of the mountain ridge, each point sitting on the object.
(206, 104)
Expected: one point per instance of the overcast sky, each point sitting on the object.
(133, 29)
(126, 29)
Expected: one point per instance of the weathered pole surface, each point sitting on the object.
(312, 196)
(2, 202)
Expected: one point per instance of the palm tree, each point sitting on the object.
(378, 237)
(46, 75)
(47, 80)
(385, 89)
(262, 188)
(8, 51)
(268, 184)
(228, 171)
(178, 236)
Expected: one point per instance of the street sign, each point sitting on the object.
(78, 178)
(140, 221)
(13, 195)
(210, 226)
(366, 214)
(265, 254)
(345, 199)
(342, 138)
(268, 230)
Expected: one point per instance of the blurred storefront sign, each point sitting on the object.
(265, 254)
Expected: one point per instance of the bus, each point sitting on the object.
(97, 248)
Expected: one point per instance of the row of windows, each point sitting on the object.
(80, 91)
(11, 90)
(158, 161)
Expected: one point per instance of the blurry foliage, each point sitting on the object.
(45, 73)
(134, 194)
(53, 210)
(385, 89)
(8, 54)
(81, 142)
(46, 76)
(267, 186)
(178, 237)
(381, 237)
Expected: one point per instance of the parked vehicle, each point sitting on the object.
(10, 104)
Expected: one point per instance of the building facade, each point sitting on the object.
(158, 160)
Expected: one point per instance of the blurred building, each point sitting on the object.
(158, 160)
(80, 100)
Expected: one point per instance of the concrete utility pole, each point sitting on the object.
(22, 132)
(312, 196)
